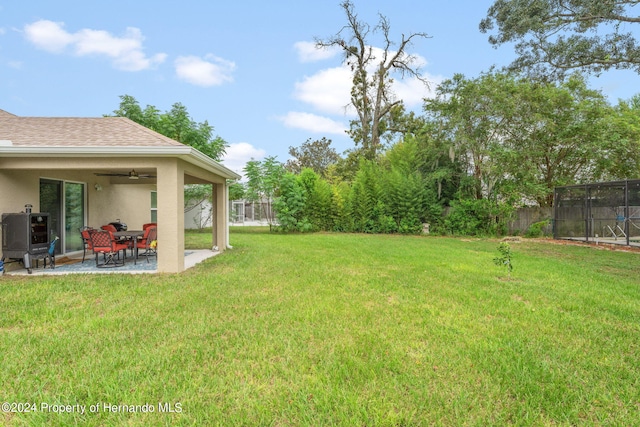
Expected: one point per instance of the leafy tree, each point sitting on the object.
(175, 124)
(196, 194)
(317, 155)
(367, 206)
(621, 159)
(236, 191)
(562, 35)
(341, 218)
(263, 182)
(321, 211)
(371, 93)
(178, 125)
(437, 162)
(558, 137)
(519, 138)
(473, 116)
(405, 200)
(290, 205)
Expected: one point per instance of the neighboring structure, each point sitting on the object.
(253, 212)
(198, 215)
(603, 212)
(91, 171)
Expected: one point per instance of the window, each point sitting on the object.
(154, 206)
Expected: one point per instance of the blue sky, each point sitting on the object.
(247, 67)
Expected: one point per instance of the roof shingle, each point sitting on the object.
(79, 132)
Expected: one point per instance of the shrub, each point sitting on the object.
(473, 217)
(537, 229)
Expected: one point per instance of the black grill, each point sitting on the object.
(25, 236)
(120, 226)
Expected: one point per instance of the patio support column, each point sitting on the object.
(170, 217)
(226, 217)
(214, 215)
(220, 223)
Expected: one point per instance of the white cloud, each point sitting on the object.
(210, 71)
(328, 91)
(312, 123)
(412, 91)
(48, 35)
(126, 52)
(239, 154)
(308, 52)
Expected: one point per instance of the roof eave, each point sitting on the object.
(186, 153)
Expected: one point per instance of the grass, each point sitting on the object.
(334, 329)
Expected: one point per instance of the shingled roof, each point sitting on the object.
(78, 132)
(94, 136)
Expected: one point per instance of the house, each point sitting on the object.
(92, 171)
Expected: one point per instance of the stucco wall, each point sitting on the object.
(129, 203)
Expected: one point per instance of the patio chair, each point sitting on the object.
(86, 241)
(148, 242)
(149, 224)
(104, 242)
(112, 228)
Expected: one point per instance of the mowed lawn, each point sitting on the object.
(332, 329)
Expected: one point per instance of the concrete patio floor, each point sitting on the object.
(74, 265)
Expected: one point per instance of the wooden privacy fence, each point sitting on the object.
(525, 217)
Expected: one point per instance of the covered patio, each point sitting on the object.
(93, 171)
(74, 265)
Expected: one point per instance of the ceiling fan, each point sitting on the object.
(131, 175)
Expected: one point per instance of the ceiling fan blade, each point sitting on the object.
(131, 175)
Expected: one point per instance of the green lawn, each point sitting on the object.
(333, 329)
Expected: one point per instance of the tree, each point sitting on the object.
(175, 124)
(290, 205)
(473, 115)
(621, 159)
(317, 155)
(558, 137)
(519, 138)
(263, 182)
(236, 190)
(371, 93)
(178, 125)
(560, 35)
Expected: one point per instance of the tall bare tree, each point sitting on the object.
(371, 93)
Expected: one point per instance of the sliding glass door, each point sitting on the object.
(73, 215)
(65, 202)
(51, 202)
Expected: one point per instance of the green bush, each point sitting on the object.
(537, 229)
(477, 217)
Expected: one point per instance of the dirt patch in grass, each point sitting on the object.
(593, 245)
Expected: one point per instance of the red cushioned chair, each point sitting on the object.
(104, 242)
(148, 242)
(86, 240)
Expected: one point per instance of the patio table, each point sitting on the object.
(132, 235)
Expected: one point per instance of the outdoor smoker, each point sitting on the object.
(119, 225)
(25, 237)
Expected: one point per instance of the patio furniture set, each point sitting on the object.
(109, 242)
